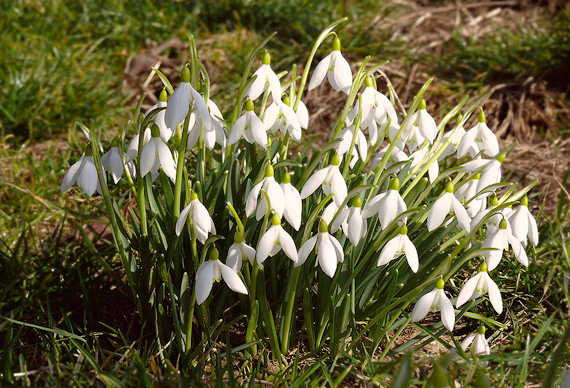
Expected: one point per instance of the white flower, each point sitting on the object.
(201, 223)
(336, 68)
(352, 221)
(84, 173)
(274, 192)
(443, 206)
(184, 97)
(331, 179)
(165, 131)
(360, 144)
(523, 224)
(211, 270)
(238, 251)
(401, 244)
(112, 161)
(422, 156)
(292, 200)
(433, 301)
(155, 155)
(498, 242)
(133, 149)
(275, 239)
(302, 115)
(279, 116)
(466, 194)
(414, 139)
(265, 77)
(478, 285)
(215, 132)
(328, 249)
(396, 156)
(490, 170)
(456, 134)
(424, 122)
(480, 136)
(389, 205)
(477, 342)
(250, 127)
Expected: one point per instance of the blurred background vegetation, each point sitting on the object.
(64, 315)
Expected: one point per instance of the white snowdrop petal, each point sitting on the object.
(342, 73)
(266, 244)
(71, 175)
(447, 312)
(494, 294)
(148, 158)
(232, 279)
(251, 200)
(314, 182)
(234, 258)
(327, 257)
(439, 210)
(467, 290)
(204, 281)
(288, 245)
(467, 342)
(411, 253)
(320, 72)
(373, 206)
(87, 180)
(423, 305)
(306, 250)
(461, 214)
(389, 251)
(182, 219)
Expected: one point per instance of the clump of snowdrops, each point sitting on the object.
(395, 217)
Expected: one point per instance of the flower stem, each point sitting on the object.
(286, 327)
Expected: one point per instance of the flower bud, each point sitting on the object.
(214, 254)
(395, 185)
(440, 283)
(249, 105)
(403, 229)
(503, 224)
(423, 104)
(266, 58)
(323, 228)
(449, 188)
(495, 201)
(163, 96)
(276, 220)
(335, 160)
(269, 171)
(524, 201)
(483, 266)
(481, 330)
(356, 202)
(286, 177)
(185, 76)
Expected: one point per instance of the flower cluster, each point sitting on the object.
(385, 187)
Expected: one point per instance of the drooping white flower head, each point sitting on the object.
(389, 205)
(443, 206)
(433, 301)
(328, 249)
(165, 132)
(331, 180)
(396, 156)
(422, 157)
(84, 173)
(279, 116)
(214, 270)
(424, 122)
(456, 134)
(360, 144)
(490, 170)
(184, 99)
(264, 77)
(238, 251)
(478, 285)
(215, 133)
(201, 224)
(112, 161)
(480, 136)
(466, 193)
(336, 68)
(477, 342)
(250, 127)
(523, 224)
(498, 241)
(274, 192)
(401, 244)
(275, 239)
(133, 148)
(155, 155)
(352, 221)
(292, 200)
(377, 110)
(302, 115)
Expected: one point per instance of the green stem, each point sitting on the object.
(289, 309)
(180, 167)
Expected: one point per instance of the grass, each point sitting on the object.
(65, 318)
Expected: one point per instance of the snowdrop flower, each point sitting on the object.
(183, 98)
(133, 149)
(274, 192)
(201, 224)
(396, 156)
(360, 144)
(336, 68)
(477, 342)
(352, 221)
(466, 194)
(279, 116)
(275, 239)
(433, 301)
(481, 136)
(328, 249)
(424, 122)
(165, 132)
(329, 212)
(414, 139)
(401, 244)
(493, 221)
(478, 285)
(422, 156)
(238, 251)
(84, 173)
(388, 205)
(456, 134)
(215, 133)
(523, 224)
(490, 170)
(331, 180)
(250, 127)
(265, 77)
(377, 109)
(292, 200)
(211, 270)
(155, 155)
(112, 161)
(498, 242)
(302, 115)
(443, 206)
